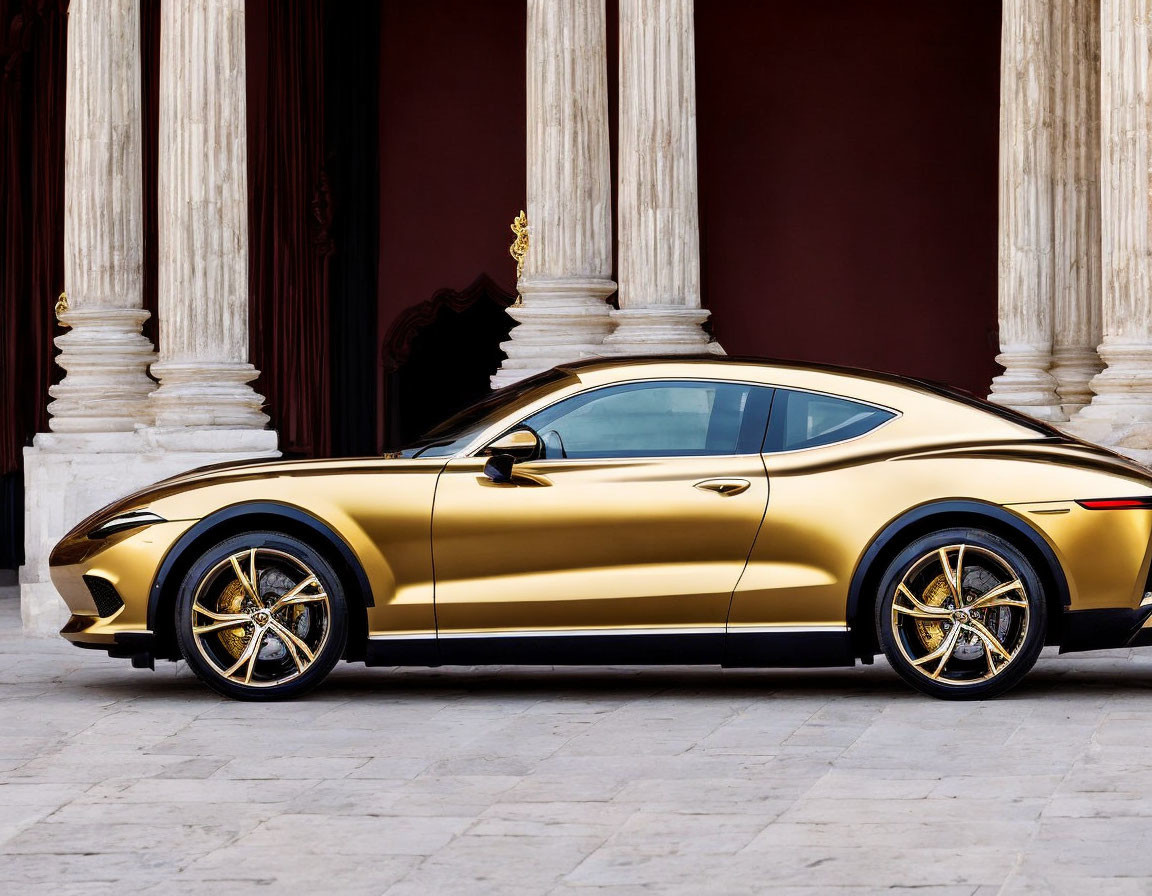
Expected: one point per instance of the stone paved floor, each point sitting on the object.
(576, 781)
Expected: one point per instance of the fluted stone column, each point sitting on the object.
(1026, 211)
(1120, 414)
(104, 353)
(567, 270)
(1076, 201)
(659, 250)
(203, 225)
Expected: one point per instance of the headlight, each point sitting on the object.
(130, 520)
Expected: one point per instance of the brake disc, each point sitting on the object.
(976, 581)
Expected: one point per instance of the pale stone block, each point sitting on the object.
(69, 476)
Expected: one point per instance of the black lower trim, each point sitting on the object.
(401, 652)
(1103, 629)
(736, 650)
(135, 646)
(789, 649)
(584, 650)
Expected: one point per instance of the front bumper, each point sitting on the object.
(127, 562)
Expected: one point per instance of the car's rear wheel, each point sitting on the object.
(961, 614)
(261, 616)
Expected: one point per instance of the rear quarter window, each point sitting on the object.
(808, 420)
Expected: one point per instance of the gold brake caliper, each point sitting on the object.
(935, 595)
(232, 601)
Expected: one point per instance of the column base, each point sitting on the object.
(1120, 414)
(106, 386)
(1073, 370)
(560, 320)
(206, 394)
(662, 330)
(68, 476)
(1026, 385)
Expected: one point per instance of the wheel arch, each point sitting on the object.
(940, 515)
(246, 517)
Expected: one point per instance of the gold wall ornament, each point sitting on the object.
(61, 307)
(519, 247)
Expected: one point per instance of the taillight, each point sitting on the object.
(1116, 503)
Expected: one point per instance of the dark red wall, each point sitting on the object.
(847, 163)
(452, 107)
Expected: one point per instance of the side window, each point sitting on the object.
(663, 418)
(805, 420)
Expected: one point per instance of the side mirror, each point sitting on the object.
(512, 447)
(521, 444)
(499, 467)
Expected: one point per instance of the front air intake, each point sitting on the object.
(104, 595)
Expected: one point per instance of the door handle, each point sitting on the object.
(724, 486)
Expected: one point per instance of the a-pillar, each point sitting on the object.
(1026, 212)
(1120, 415)
(567, 271)
(659, 250)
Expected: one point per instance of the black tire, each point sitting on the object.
(917, 615)
(300, 622)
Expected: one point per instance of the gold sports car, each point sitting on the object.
(658, 510)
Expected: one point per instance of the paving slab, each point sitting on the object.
(570, 781)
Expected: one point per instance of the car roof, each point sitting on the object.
(936, 389)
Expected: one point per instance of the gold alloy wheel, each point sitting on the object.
(960, 615)
(260, 618)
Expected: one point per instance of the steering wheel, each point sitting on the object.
(553, 443)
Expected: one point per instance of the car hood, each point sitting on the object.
(260, 468)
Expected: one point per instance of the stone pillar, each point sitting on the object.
(567, 270)
(659, 251)
(1076, 200)
(203, 229)
(1120, 414)
(104, 353)
(1026, 208)
(87, 459)
(205, 412)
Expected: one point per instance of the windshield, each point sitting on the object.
(457, 431)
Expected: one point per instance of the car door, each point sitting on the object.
(789, 607)
(638, 519)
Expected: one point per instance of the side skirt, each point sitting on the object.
(743, 649)
(1104, 629)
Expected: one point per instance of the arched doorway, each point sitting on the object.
(439, 356)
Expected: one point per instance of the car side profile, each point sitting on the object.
(658, 510)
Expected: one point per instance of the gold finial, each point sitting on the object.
(519, 247)
(61, 307)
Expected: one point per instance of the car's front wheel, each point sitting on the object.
(961, 614)
(261, 616)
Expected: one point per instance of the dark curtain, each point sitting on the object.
(290, 219)
(351, 112)
(32, 70)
